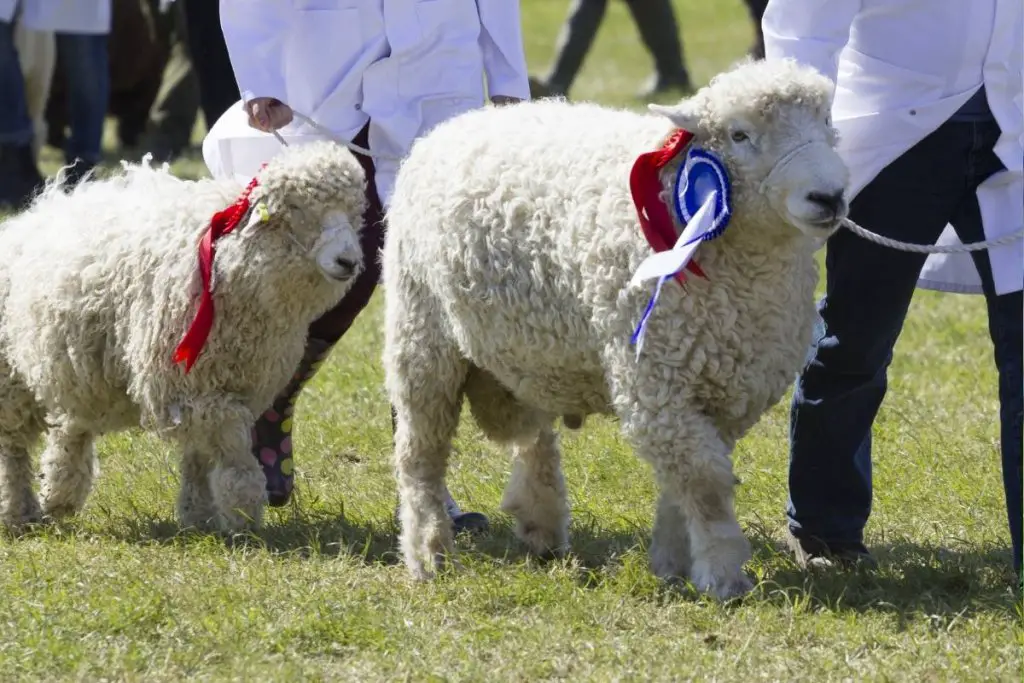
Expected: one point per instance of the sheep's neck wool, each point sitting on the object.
(221, 224)
(646, 188)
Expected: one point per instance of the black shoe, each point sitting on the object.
(470, 522)
(78, 170)
(660, 85)
(815, 554)
(19, 176)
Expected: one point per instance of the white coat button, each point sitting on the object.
(913, 112)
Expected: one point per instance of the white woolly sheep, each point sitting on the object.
(511, 243)
(97, 288)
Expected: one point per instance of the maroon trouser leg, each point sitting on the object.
(272, 443)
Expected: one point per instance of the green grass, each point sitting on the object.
(120, 594)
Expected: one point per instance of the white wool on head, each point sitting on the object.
(512, 238)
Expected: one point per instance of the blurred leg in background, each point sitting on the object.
(659, 31)
(85, 64)
(173, 114)
(217, 87)
(756, 9)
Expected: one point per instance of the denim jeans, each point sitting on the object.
(15, 125)
(868, 292)
(86, 65)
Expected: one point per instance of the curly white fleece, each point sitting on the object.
(512, 239)
(97, 288)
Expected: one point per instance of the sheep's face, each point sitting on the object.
(770, 124)
(315, 199)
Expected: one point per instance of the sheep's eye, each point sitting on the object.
(739, 136)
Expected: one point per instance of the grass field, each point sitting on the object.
(120, 594)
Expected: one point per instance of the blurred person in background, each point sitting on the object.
(659, 31)
(81, 28)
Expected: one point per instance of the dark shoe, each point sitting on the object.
(470, 522)
(19, 176)
(540, 90)
(78, 171)
(660, 86)
(815, 554)
(272, 433)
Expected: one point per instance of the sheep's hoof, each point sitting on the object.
(18, 519)
(725, 585)
(573, 421)
(60, 511)
(545, 542)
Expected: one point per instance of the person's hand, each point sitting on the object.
(501, 100)
(268, 113)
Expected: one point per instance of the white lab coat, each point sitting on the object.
(902, 68)
(402, 65)
(72, 16)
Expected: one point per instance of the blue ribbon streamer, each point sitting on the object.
(701, 174)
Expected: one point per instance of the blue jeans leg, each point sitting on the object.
(15, 125)
(868, 293)
(87, 71)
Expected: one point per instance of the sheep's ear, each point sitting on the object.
(682, 115)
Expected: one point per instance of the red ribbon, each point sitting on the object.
(221, 224)
(645, 185)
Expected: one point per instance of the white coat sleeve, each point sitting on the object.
(254, 33)
(501, 41)
(812, 32)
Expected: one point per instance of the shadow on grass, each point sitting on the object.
(913, 580)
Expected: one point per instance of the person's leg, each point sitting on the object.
(1006, 328)
(218, 90)
(19, 175)
(87, 74)
(173, 114)
(574, 41)
(868, 291)
(659, 30)
(756, 9)
(272, 443)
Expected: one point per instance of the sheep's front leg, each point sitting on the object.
(695, 526)
(218, 440)
(536, 495)
(697, 476)
(670, 539)
(196, 506)
(18, 503)
(69, 467)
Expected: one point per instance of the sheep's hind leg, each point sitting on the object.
(535, 494)
(69, 468)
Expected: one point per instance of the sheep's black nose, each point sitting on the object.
(833, 203)
(345, 264)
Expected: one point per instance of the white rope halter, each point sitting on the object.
(863, 232)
